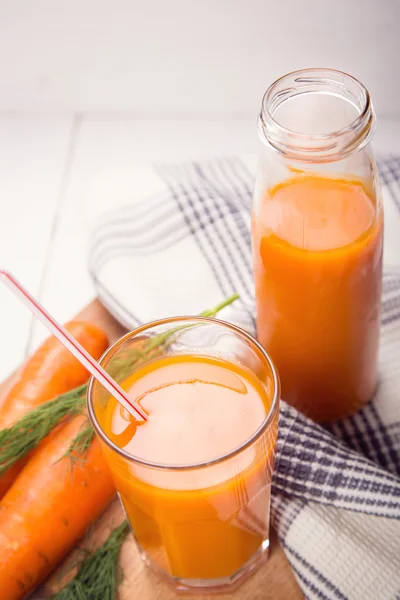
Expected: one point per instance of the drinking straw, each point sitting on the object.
(73, 346)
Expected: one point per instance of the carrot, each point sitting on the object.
(48, 508)
(50, 371)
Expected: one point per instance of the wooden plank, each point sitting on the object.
(274, 581)
(32, 160)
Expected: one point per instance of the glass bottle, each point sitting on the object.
(317, 230)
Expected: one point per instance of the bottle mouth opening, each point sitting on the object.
(316, 115)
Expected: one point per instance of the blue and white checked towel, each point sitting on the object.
(176, 239)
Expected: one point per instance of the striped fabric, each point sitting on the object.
(186, 245)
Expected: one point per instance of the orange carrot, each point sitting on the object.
(50, 371)
(47, 510)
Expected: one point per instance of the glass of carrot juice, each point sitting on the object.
(318, 240)
(195, 478)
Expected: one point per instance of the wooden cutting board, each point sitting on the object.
(274, 581)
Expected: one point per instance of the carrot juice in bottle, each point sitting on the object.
(317, 242)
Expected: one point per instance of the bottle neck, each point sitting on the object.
(317, 116)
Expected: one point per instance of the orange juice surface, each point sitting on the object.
(317, 246)
(204, 522)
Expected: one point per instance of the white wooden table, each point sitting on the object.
(45, 165)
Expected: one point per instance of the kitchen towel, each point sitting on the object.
(183, 247)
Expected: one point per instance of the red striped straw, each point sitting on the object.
(73, 346)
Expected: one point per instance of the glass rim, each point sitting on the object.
(219, 459)
(355, 135)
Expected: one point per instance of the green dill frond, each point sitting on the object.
(99, 574)
(32, 428)
(81, 443)
(122, 365)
